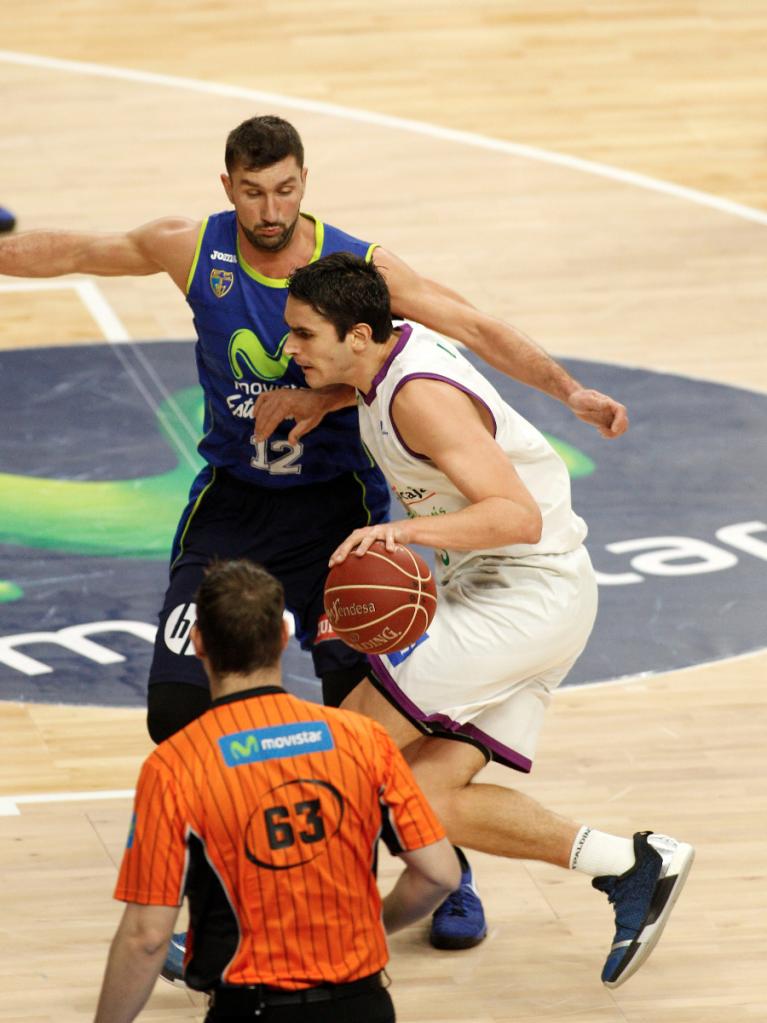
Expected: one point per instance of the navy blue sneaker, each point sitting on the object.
(7, 219)
(643, 898)
(460, 921)
(173, 967)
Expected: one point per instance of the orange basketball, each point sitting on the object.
(381, 601)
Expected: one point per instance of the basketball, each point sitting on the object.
(382, 601)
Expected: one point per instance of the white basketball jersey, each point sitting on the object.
(422, 488)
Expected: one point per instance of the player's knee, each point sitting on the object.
(440, 797)
(443, 767)
(173, 705)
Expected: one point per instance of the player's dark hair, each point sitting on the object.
(239, 615)
(262, 141)
(345, 290)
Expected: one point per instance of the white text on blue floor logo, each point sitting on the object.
(257, 744)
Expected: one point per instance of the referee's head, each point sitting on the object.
(240, 626)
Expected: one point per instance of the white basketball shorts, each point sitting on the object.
(505, 634)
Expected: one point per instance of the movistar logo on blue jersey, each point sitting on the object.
(278, 741)
(398, 656)
(247, 352)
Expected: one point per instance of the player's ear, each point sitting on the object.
(285, 634)
(361, 334)
(196, 637)
(226, 181)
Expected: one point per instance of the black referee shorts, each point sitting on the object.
(362, 1001)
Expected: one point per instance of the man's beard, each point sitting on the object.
(273, 244)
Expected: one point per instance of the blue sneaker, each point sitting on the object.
(460, 921)
(643, 898)
(7, 219)
(173, 967)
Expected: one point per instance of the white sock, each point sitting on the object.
(596, 853)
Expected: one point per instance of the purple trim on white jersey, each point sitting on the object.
(503, 754)
(444, 380)
(405, 331)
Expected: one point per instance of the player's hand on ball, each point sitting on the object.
(391, 533)
(599, 410)
(383, 600)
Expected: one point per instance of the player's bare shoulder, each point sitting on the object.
(396, 272)
(420, 396)
(169, 243)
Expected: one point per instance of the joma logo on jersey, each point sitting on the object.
(258, 744)
(225, 257)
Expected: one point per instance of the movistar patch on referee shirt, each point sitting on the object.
(278, 741)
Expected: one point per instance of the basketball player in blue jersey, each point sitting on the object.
(287, 495)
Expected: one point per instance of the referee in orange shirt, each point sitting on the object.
(265, 812)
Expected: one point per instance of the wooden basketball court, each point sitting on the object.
(115, 114)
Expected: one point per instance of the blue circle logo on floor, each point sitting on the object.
(98, 449)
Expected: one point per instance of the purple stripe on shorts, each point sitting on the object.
(445, 380)
(503, 754)
(405, 331)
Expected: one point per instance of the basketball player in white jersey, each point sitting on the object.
(517, 594)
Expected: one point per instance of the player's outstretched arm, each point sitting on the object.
(498, 343)
(304, 406)
(162, 245)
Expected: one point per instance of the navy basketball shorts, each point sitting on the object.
(291, 532)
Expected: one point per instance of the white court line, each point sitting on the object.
(145, 393)
(9, 805)
(385, 121)
(101, 311)
(193, 433)
(111, 325)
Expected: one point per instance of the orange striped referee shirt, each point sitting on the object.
(266, 812)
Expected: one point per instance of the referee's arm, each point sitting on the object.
(430, 874)
(136, 956)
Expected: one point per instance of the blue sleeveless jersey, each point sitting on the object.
(241, 333)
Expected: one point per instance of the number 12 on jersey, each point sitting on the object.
(277, 457)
